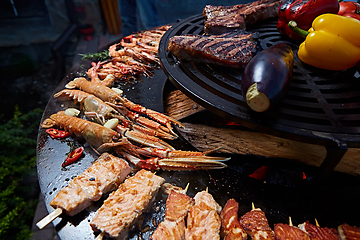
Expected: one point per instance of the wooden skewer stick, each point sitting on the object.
(290, 221)
(316, 223)
(207, 189)
(252, 206)
(186, 188)
(100, 236)
(49, 218)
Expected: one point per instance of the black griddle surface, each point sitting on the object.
(282, 194)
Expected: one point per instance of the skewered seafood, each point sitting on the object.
(203, 221)
(173, 227)
(110, 96)
(285, 231)
(230, 225)
(256, 225)
(123, 207)
(104, 175)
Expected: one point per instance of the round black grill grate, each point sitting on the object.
(321, 106)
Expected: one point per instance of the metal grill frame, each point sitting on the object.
(321, 107)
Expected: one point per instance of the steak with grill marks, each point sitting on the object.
(233, 49)
(220, 19)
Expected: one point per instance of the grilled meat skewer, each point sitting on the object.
(256, 225)
(285, 231)
(230, 225)
(203, 221)
(177, 208)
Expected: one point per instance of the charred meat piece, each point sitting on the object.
(104, 175)
(230, 225)
(319, 233)
(234, 49)
(203, 221)
(123, 207)
(220, 19)
(177, 208)
(256, 225)
(285, 231)
(348, 232)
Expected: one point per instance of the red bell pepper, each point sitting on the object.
(303, 12)
(73, 156)
(349, 9)
(55, 133)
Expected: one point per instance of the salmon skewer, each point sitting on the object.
(177, 208)
(104, 175)
(122, 208)
(203, 221)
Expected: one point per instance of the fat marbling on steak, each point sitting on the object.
(233, 49)
(220, 19)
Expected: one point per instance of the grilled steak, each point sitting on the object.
(220, 19)
(233, 49)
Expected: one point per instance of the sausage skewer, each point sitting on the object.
(104, 175)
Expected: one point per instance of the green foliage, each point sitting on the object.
(17, 161)
(98, 56)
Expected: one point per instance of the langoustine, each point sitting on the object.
(110, 96)
(95, 108)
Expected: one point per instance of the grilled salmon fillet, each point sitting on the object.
(123, 207)
(203, 221)
(104, 175)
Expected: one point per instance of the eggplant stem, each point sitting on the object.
(293, 26)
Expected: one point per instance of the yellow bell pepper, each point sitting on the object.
(333, 42)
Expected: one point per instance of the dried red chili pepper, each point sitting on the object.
(55, 133)
(303, 12)
(73, 156)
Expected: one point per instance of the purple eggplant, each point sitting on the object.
(266, 78)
